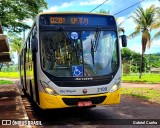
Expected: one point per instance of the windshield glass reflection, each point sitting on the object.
(80, 54)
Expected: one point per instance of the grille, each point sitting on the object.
(74, 101)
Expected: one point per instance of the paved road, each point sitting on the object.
(100, 116)
(130, 108)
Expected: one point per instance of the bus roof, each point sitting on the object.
(91, 13)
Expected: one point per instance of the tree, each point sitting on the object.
(157, 26)
(130, 60)
(145, 20)
(104, 11)
(2, 64)
(126, 54)
(16, 43)
(13, 12)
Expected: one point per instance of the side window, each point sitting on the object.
(28, 45)
(27, 50)
(22, 57)
(25, 54)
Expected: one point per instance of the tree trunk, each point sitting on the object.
(1, 65)
(141, 65)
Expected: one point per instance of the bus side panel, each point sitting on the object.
(23, 70)
(34, 81)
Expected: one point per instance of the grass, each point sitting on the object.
(143, 93)
(5, 82)
(9, 74)
(146, 78)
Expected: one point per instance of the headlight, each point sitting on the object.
(48, 88)
(115, 87)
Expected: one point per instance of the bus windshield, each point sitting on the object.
(79, 53)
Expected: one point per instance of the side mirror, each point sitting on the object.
(124, 40)
(34, 44)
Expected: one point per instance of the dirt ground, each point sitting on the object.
(141, 85)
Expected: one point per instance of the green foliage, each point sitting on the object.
(10, 69)
(16, 43)
(126, 53)
(153, 60)
(144, 93)
(126, 68)
(104, 11)
(131, 59)
(146, 78)
(13, 12)
(5, 82)
(2, 64)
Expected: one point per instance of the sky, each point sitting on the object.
(114, 6)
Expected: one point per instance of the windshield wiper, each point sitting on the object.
(94, 44)
(92, 51)
(97, 35)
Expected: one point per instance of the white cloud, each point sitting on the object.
(92, 2)
(52, 9)
(56, 8)
(64, 5)
(120, 20)
(147, 4)
(155, 47)
(128, 24)
(28, 21)
(156, 43)
(135, 46)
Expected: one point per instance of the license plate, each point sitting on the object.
(84, 103)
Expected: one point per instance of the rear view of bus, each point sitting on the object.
(76, 60)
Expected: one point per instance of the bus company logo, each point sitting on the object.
(90, 78)
(6, 122)
(84, 91)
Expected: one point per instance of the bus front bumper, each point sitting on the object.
(48, 101)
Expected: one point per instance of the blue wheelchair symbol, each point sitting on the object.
(77, 70)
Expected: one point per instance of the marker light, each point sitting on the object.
(48, 88)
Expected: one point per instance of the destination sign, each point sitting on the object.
(77, 19)
(70, 20)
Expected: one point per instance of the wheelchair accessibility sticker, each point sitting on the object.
(77, 70)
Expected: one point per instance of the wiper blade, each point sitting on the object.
(92, 51)
(95, 44)
(97, 35)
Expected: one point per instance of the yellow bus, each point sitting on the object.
(72, 60)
